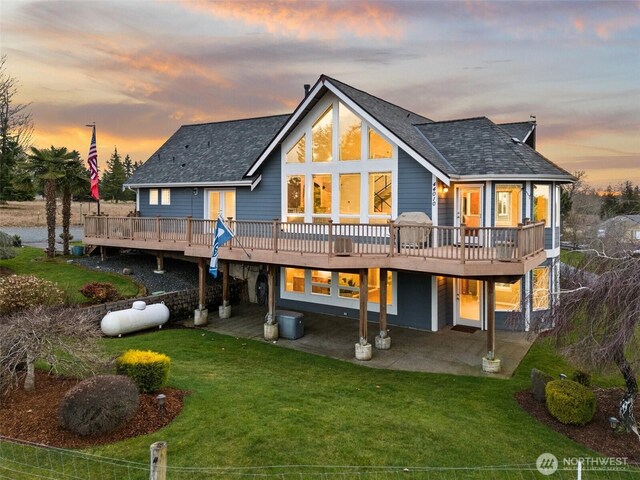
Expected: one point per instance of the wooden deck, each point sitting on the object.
(454, 251)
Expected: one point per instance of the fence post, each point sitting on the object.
(330, 237)
(189, 229)
(158, 470)
(392, 238)
(463, 234)
(131, 228)
(158, 228)
(275, 235)
(522, 249)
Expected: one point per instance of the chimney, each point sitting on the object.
(307, 87)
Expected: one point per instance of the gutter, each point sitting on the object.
(252, 183)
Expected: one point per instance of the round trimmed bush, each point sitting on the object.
(570, 402)
(98, 405)
(149, 370)
(20, 292)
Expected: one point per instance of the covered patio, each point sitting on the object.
(446, 351)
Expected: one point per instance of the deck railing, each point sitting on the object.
(463, 243)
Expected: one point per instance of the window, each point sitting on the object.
(297, 152)
(222, 202)
(294, 280)
(350, 198)
(295, 198)
(380, 197)
(153, 196)
(542, 204)
(378, 146)
(350, 127)
(349, 285)
(320, 282)
(322, 137)
(508, 297)
(374, 286)
(321, 198)
(508, 205)
(541, 288)
(165, 199)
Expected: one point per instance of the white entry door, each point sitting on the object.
(468, 302)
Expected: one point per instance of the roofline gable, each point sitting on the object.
(326, 82)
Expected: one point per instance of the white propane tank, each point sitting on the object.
(139, 317)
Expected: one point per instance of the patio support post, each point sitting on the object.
(201, 314)
(224, 310)
(363, 347)
(160, 262)
(271, 325)
(383, 340)
(491, 364)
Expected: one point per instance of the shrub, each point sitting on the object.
(582, 377)
(7, 249)
(570, 402)
(100, 292)
(98, 405)
(17, 241)
(149, 370)
(19, 292)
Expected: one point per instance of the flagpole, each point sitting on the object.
(93, 126)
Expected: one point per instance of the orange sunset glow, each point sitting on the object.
(142, 69)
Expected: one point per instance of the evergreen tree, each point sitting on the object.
(610, 206)
(128, 166)
(113, 178)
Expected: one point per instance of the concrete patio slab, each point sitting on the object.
(445, 351)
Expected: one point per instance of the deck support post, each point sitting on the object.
(160, 262)
(201, 314)
(271, 325)
(103, 253)
(491, 364)
(383, 340)
(363, 347)
(224, 310)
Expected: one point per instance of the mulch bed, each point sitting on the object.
(32, 416)
(597, 434)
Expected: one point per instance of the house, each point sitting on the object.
(314, 197)
(622, 228)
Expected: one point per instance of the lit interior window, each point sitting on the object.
(349, 285)
(153, 196)
(541, 288)
(165, 199)
(508, 205)
(297, 152)
(224, 202)
(542, 204)
(295, 198)
(350, 198)
(321, 198)
(380, 197)
(378, 146)
(320, 282)
(508, 297)
(294, 280)
(350, 134)
(374, 286)
(322, 136)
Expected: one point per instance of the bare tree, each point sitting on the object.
(16, 128)
(596, 320)
(580, 207)
(65, 338)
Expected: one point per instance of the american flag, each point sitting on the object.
(93, 165)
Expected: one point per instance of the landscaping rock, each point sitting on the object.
(539, 380)
(127, 271)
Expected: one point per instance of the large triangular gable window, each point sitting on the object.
(322, 137)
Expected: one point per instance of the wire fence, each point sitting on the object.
(27, 461)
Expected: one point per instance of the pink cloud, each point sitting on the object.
(309, 19)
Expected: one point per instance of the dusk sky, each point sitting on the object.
(140, 69)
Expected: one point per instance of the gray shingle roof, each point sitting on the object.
(477, 146)
(209, 152)
(519, 130)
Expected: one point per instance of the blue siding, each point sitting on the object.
(264, 202)
(414, 185)
(445, 208)
(445, 301)
(183, 203)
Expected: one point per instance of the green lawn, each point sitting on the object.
(256, 404)
(573, 258)
(69, 277)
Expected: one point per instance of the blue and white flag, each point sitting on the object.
(222, 236)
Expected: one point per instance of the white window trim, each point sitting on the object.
(334, 299)
(336, 167)
(157, 195)
(162, 199)
(207, 203)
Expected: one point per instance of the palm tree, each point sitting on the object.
(75, 180)
(47, 167)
